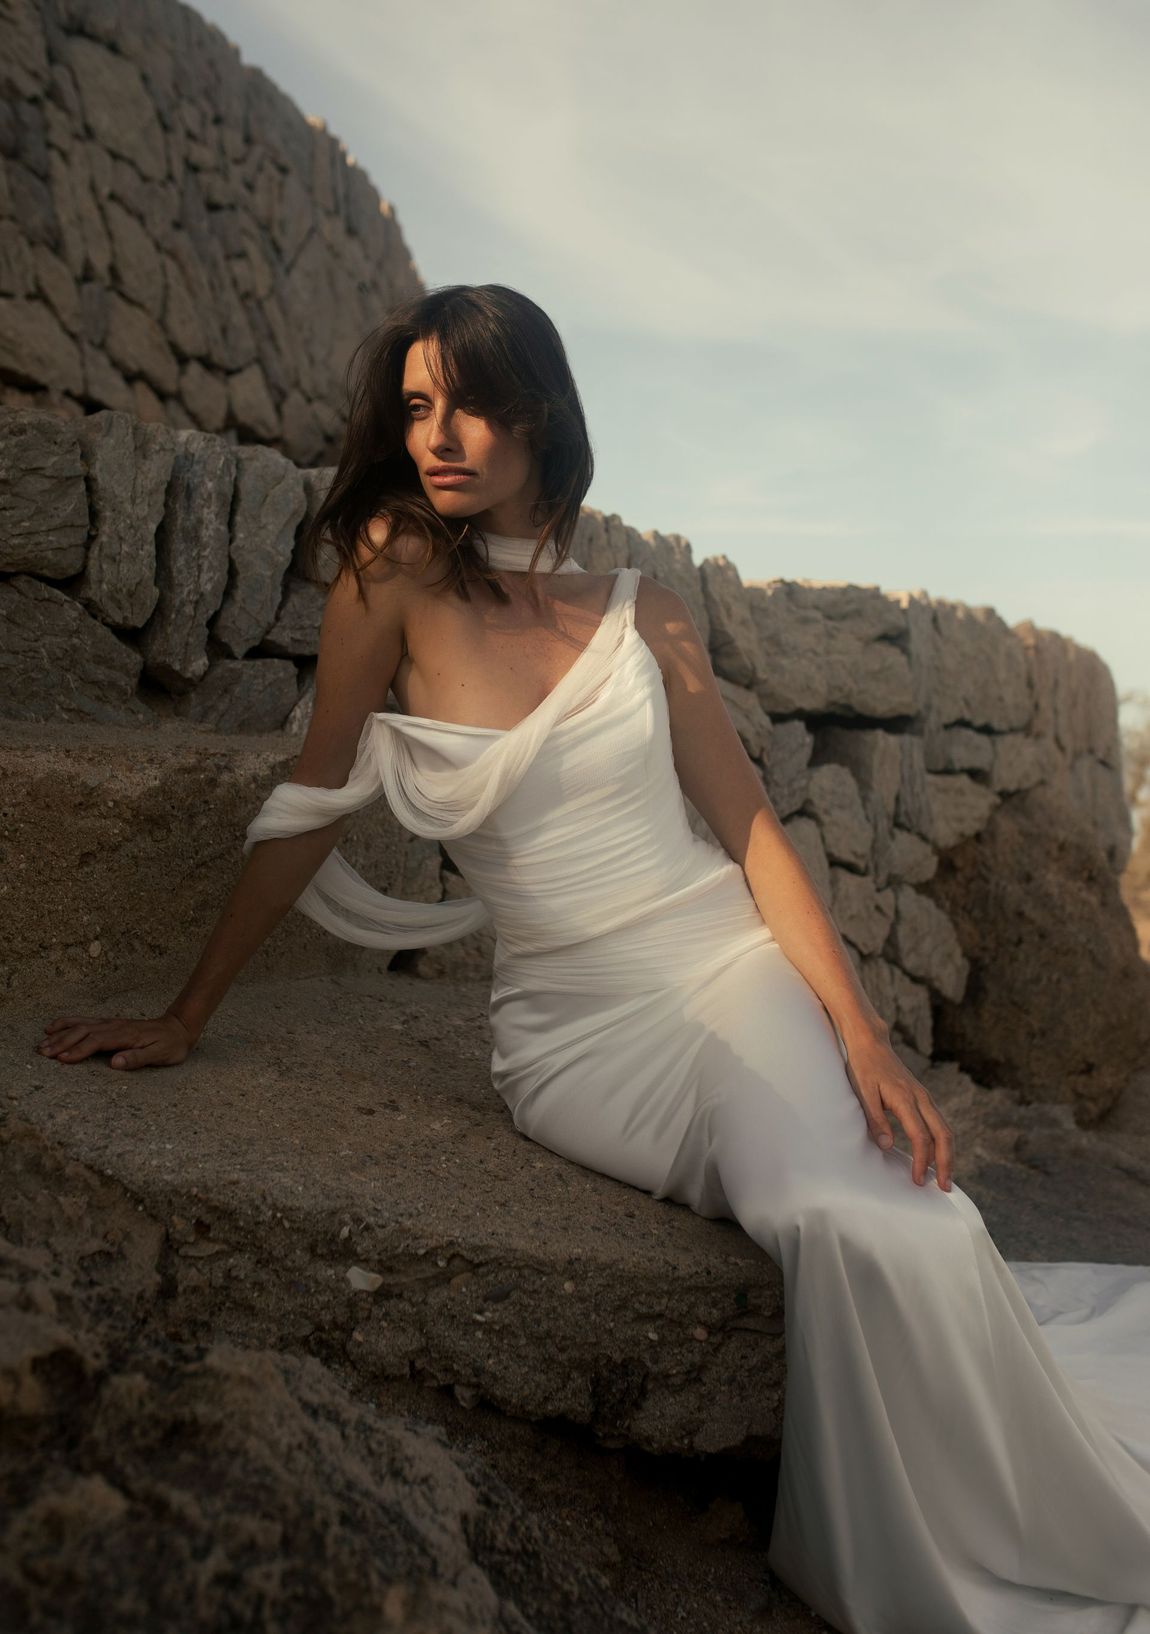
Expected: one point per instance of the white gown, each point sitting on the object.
(965, 1440)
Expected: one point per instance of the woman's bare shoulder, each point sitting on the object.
(387, 552)
(666, 624)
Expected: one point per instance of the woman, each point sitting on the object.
(680, 1015)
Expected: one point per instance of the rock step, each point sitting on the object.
(336, 1174)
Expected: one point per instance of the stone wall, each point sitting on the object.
(954, 786)
(149, 577)
(176, 239)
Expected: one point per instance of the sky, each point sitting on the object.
(852, 289)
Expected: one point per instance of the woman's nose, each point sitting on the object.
(443, 435)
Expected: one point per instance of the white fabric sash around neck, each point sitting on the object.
(434, 804)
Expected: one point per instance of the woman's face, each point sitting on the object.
(468, 466)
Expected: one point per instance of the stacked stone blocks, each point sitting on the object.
(177, 240)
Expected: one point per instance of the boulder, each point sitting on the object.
(1057, 1005)
(191, 560)
(57, 663)
(268, 505)
(734, 640)
(129, 464)
(43, 503)
(829, 649)
(159, 1447)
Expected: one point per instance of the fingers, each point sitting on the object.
(943, 1144)
(160, 1042)
(879, 1126)
(931, 1139)
(71, 1041)
(922, 1144)
(77, 1038)
(930, 1136)
(71, 1021)
(869, 1099)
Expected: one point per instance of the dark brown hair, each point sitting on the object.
(501, 357)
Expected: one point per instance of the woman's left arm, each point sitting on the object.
(721, 782)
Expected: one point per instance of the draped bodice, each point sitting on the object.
(569, 828)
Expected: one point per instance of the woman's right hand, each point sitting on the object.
(161, 1042)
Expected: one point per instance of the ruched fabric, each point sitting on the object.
(966, 1440)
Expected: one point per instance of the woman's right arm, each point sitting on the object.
(361, 640)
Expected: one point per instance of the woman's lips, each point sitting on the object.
(451, 479)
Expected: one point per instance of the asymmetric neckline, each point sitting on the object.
(614, 603)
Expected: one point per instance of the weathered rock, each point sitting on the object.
(1058, 1002)
(235, 287)
(128, 465)
(191, 560)
(252, 408)
(77, 176)
(137, 344)
(268, 505)
(980, 675)
(911, 858)
(890, 770)
(829, 649)
(303, 432)
(958, 749)
(734, 640)
(959, 806)
(593, 545)
(316, 482)
(1097, 792)
(968, 667)
(18, 275)
(833, 800)
(872, 755)
(150, 1448)
(1074, 698)
(1016, 762)
(43, 505)
(138, 269)
(203, 395)
(27, 71)
(862, 912)
(515, 1274)
(913, 1011)
(924, 943)
(117, 107)
(295, 632)
(237, 695)
(903, 1003)
(35, 348)
(787, 766)
(103, 382)
(57, 663)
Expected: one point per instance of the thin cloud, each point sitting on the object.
(887, 168)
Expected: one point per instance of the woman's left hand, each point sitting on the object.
(884, 1084)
